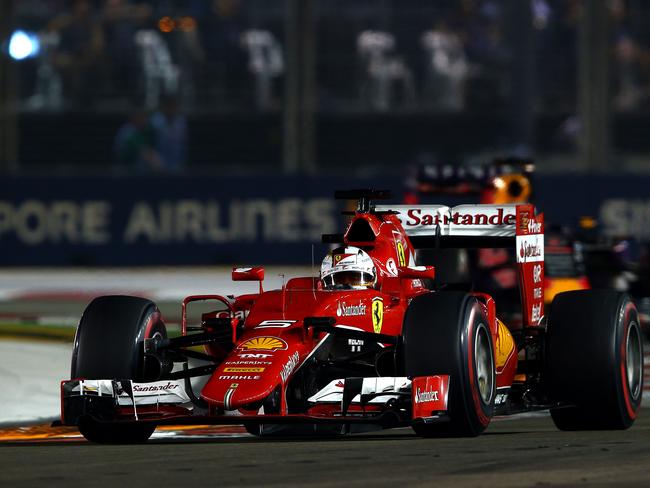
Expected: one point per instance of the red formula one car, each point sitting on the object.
(365, 345)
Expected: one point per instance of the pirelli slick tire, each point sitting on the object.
(448, 333)
(109, 345)
(594, 360)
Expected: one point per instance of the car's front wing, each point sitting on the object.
(168, 402)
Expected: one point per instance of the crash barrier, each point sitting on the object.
(264, 219)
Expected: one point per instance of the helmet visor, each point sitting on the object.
(348, 280)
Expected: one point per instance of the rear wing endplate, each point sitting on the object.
(512, 226)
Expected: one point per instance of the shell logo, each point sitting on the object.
(505, 345)
(401, 256)
(263, 344)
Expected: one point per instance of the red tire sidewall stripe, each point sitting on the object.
(631, 410)
(152, 320)
(471, 340)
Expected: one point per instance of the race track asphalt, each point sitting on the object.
(526, 452)
(517, 452)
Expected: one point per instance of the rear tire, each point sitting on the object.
(594, 360)
(448, 333)
(109, 344)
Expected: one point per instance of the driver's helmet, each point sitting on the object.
(348, 268)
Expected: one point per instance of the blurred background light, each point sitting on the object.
(23, 45)
(187, 24)
(166, 24)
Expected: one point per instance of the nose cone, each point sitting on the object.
(251, 372)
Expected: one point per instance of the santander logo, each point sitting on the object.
(345, 310)
(426, 396)
(529, 251)
(168, 386)
(416, 217)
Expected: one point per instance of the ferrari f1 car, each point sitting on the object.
(365, 344)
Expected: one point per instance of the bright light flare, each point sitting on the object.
(23, 45)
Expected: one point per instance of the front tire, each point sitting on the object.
(594, 360)
(109, 345)
(448, 333)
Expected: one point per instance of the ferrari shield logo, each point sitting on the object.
(401, 257)
(340, 257)
(377, 314)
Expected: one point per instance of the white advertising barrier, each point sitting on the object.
(458, 221)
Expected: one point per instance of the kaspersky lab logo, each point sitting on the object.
(344, 310)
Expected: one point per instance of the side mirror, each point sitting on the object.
(416, 272)
(249, 274)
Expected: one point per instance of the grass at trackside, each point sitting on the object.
(63, 333)
(50, 332)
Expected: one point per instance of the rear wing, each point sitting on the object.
(512, 226)
(441, 226)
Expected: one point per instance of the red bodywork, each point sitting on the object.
(275, 341)
(271, 340)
